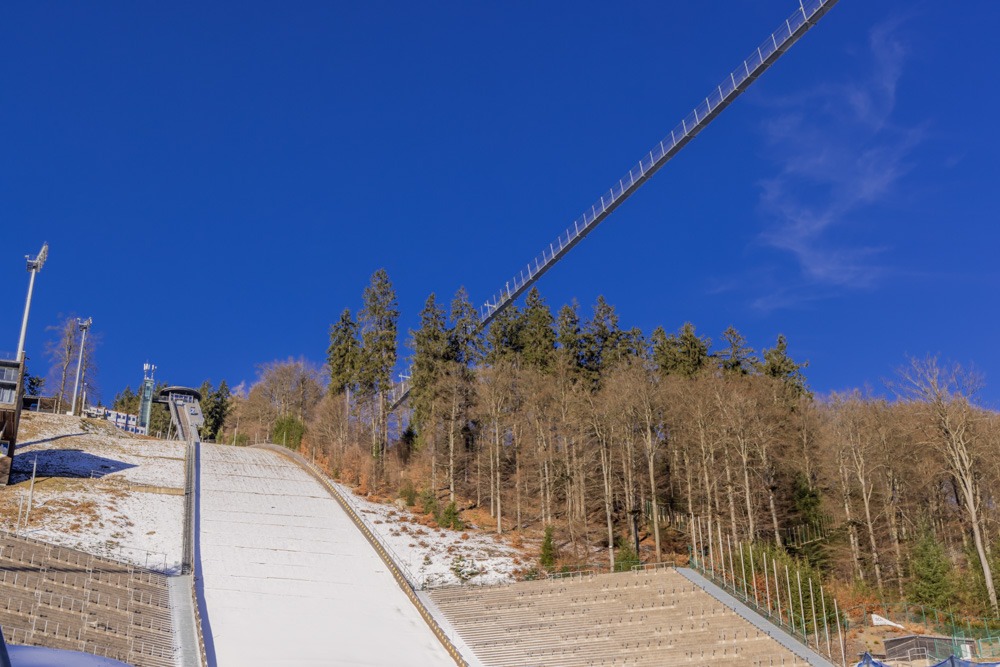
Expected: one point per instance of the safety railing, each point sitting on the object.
(735, 83)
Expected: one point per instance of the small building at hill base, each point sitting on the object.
(11, 393)
(934, 647)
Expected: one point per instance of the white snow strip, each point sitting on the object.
(289, 579)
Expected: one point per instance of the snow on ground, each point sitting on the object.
(289, 579)
(436, 556)
(98, 489)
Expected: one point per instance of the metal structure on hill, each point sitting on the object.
(805, 17)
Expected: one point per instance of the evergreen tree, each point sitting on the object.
(430, 352)
(627, 557)
(931, 583)
(505, 335)
(538, 337)
(343, 353)
(378, 324)
(206, 393)
(777, 364)
(216, 408)
(569, 337)
(603, 341)
(126, 401)
(548, 555)
(634, 344)
(737, 357)
(683, 353)
(465, 339)
(288, 431)
(33, 384)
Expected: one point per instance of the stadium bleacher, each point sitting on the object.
(653, 617)
(63, 598)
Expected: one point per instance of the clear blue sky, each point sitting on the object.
(218, 181)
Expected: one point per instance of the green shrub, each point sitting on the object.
(548, 555)
(430, 503)
(627, 557)
(288, 431)
(408, 493)
(450, 519)
(932, 582)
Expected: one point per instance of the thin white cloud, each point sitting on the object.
(838, 152)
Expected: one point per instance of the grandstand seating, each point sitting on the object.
(653, 617)
(63, 598)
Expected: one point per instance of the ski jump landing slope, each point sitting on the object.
(289, 580)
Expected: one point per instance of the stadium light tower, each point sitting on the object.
(84, 325)
(34, 266)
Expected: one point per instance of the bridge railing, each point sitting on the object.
(690, 125)
(729, 89)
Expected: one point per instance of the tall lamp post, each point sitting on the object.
(84, 325)
(34, 266)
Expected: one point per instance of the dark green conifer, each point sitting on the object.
(343, 353)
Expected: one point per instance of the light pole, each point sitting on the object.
(84, 325)
(34, 266)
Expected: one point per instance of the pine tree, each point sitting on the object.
(504, 338)
(126, 401)
(777, 364)
(683, 353)
(378, 324)
(569, 337)
(738, 357)
(216, 408)
(603, 348)
(206, 393)
(465, 350)
(931, 582)
(33, 384)
(430, 353)
(537, 335)
(342, 354)
(465, 339)
(548, 555)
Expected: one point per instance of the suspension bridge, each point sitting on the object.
(739, 80)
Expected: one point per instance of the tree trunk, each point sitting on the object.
(852, 532)
(451, 448)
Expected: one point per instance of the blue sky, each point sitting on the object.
(218, 181)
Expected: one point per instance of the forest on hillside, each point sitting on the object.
(575, 425)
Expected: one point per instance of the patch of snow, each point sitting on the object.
(436, 556)
(100, 490)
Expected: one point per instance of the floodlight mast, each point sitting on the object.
(84, 325)
(34, 266)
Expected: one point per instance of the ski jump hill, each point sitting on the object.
(287, 577)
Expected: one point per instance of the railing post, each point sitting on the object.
(802, 606)
(840, 634)
(767, 585)
(826, 627)
(777, 588)
(812, 604)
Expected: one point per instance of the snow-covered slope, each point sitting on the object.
(288, 578)
(435, 556)
(98, 489)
